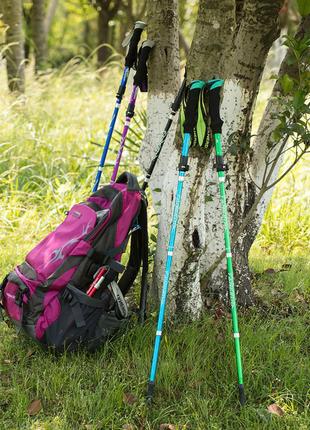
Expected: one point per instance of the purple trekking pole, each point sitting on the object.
(139, 81)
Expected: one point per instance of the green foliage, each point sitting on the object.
(294, 112)
(303, 7)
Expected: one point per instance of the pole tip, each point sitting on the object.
(150, 392)
(242, 398)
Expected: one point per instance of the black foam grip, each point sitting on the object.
(191, 110)
(130, 180)
(214, 110)
(131, 56)
(140, 78)
(179, 97)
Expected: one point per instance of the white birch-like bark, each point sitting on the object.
(199, 239)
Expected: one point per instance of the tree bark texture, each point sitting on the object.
(236, 51)
(15, 59)
(164, 80)
(106, 9)
(39, 34)
(51, 10)
(103, 36)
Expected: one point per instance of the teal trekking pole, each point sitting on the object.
(216, 127)
(190, 121)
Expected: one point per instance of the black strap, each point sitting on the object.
(141, 77)
(2, 286)
(138, 254)
(133, 45)
(214, 109)
(69, 263)
(191, 110)
(145, 263)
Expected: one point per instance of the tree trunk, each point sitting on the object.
(39, 34)
(12, 15)
(103, 36)
(51, 10)
(164, 80)
(237, 53)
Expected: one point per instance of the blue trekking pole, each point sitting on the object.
(191, 116)
(130, 61)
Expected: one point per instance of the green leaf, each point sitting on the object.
(153, 238)
(277, 135)
(298, 100)
(303, 7)
(157, 190)
(208, 199)
(287, 84)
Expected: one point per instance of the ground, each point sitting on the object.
(48, 163)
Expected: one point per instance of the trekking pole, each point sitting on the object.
(173, 110)
(190, 120)
(130, 61)
(139, 81)
(216, 127)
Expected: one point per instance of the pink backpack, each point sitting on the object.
(70, 289)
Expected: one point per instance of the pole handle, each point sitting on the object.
(131, 56)
(140, 78)
(179, 97)
(214, 88)
(191, 109)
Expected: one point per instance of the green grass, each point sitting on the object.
(196, 385)
(48, 163)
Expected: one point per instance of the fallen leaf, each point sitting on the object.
(269, 271)
(35, 407)
(29, 353)
(128, 427)
(219, 313)
(129, 398)
(275, 409)
(6, 361)
(167, 427)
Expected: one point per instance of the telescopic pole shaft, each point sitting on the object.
(230, 272)
(111, 127)
(140, 81)
(190, 121)
(174, 109)
(130, 60)
(216, 126)
(129, 114)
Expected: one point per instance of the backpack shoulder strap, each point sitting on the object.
(138, 255)
(145, 261)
